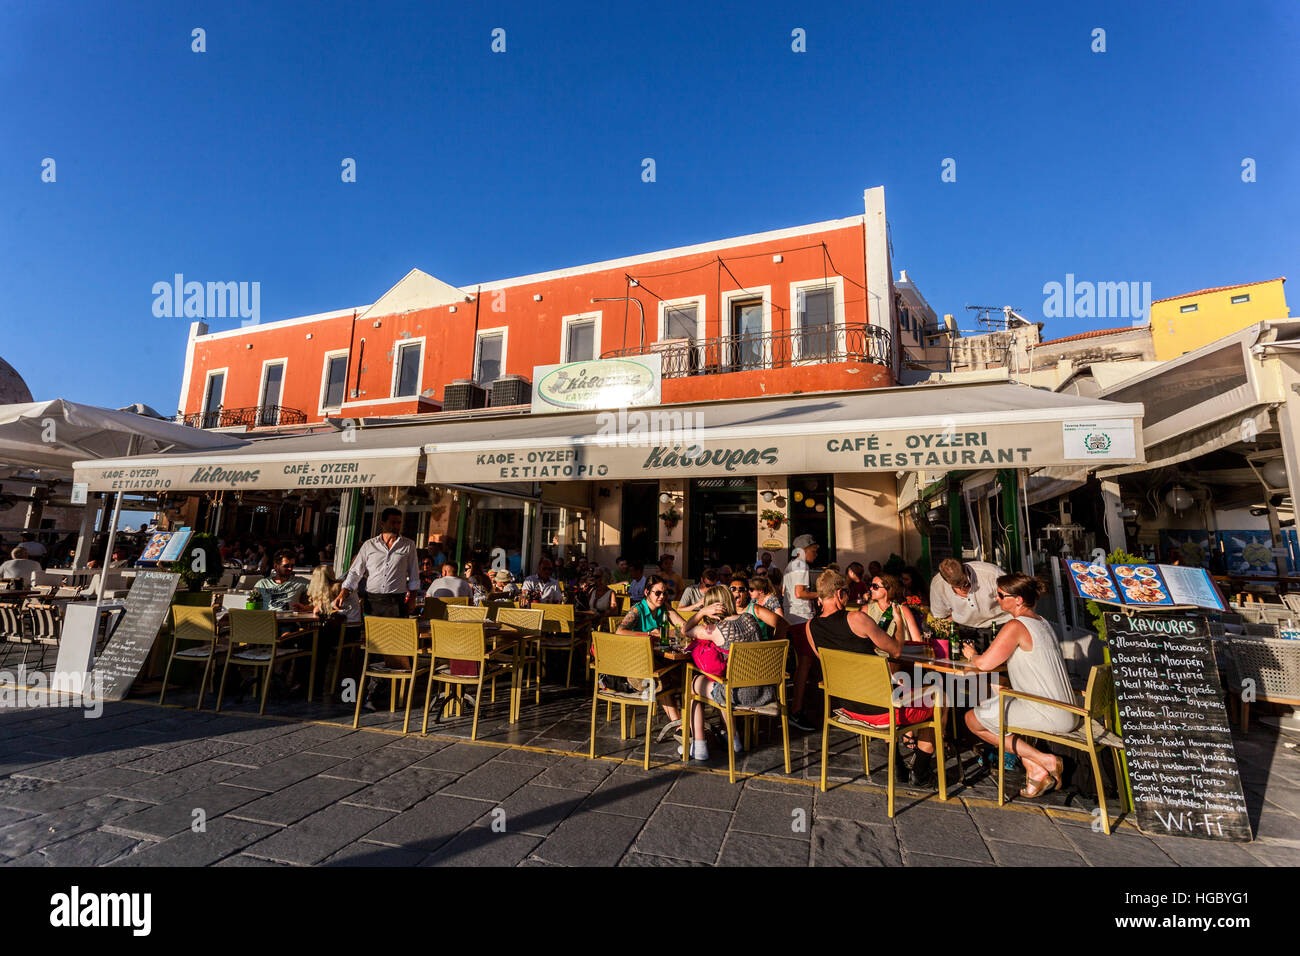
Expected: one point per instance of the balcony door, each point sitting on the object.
(817, 339)
(212, 400)
(268, 412)
(746, 343)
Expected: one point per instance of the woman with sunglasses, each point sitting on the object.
(887, 610)
(1027, 645)
(754, 596)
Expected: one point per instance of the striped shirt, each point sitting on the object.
(385, 570)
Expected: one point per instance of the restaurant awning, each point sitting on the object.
(346, 458)
(935, 428)
(1210, 398)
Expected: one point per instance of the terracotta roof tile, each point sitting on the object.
(1218, 288)
(1095, 333)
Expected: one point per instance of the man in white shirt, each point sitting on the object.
(800, 595)
(541, 588)
(35, 550)
(967, 592)
(449, 585)
(388, 565)
(20, 566)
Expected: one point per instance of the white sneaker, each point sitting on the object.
(736, 744)
(699, 750)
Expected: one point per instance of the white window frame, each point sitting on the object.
(570, 320)
(1184, 309)
(1241, 299)
(836, 285)
(398, 346)
(701, 312)
(322, 409)
(500, 330)
(283, 362)
(207, 384)
(724, 315)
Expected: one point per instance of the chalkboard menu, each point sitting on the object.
(147, 605)
(1181, 761)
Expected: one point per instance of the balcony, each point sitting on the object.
(253, 416)
(787, 348)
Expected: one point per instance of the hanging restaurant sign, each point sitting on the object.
(711, 452)
(603, 383)
(392, 466)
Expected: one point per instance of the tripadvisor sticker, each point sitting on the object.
(600, 384)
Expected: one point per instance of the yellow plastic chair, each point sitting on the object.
(197, 627)
(391, 637)
(344, 644)
(530, 622)
(461, 613)
(865, 678)
(561, 633)
(1096, 731)
(435, 608)
(749, 664)
(630, 656)
(261, 645)
(467, 641)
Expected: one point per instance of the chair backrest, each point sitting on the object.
(392, 635)
(46, 619)
(194, 623)
(527, 618)
(252, 627)
(1292, 601)
(459, 640)
(1261, 630)
(455, 600)
(494, 605)
(757, 663)
(560, 614)
(458, 612)
(1272, 663)
(11, 622)
(863, 678)
(435, 609)
(1099, 697)
(623, 655)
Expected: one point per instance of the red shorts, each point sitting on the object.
(800, 640)
(906, 716)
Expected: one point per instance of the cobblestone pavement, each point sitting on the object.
(301, 787)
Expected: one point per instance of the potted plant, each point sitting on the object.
(772, 518)
(198, 569)
(670, 517)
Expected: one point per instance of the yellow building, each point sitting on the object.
(1185, 322)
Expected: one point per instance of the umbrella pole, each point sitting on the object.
(108, 553)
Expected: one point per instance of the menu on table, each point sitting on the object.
(1181, 762)
(1145, 585)
(152, 553)
(176, 545)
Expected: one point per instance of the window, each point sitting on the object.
(272, 388)
(407, 371)
(490, 362)
(1187, 308)
(336, 376)
(216, 391)
(580, 340)
(1240, 299)
(747, 333)
(816, 323)
(680, 322)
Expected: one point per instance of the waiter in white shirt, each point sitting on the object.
(967, 592)
(388, 565)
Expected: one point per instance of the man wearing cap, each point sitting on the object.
(800, 607)
(967, 593)
(503, 586)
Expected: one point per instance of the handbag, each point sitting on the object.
(709, 658)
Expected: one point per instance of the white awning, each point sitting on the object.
(935, 428)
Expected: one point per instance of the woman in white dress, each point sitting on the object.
(1027, 645)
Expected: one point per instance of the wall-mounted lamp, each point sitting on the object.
(537, 297)
(768, 495)
(778, 258)
(1179, 498)
(451, 308)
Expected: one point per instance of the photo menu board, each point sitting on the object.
(1181, 762)
(1145, 585)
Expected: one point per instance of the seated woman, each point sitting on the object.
(322, 590)
(722, 626)
(1027, 645)
(600, 598)
(651, 616)
(754, 596)
(888, 611)
(839, 629)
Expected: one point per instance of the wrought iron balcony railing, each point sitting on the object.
(253, 416)
(786, 348)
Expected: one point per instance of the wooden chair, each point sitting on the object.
(396, 637)
(467, 641)
(11, 628)
(261, 645)
(561, 634)
(461, 613)
(530, 621)
(197, 627)
(350, 636)
(46, 623)
(865, 678)
(1096, 730)
(629, 656)
(1267, 667)
(749, 664)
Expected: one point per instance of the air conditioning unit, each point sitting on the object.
(464, 394)
(511, 390)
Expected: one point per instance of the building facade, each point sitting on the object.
(1185, 322)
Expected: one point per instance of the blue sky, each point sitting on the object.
(225, 165)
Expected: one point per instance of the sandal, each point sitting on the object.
(909, 741)
(1032, 792)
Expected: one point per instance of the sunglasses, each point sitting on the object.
(1001, 595)
(738, 590)
(655, 593)
(877, 587)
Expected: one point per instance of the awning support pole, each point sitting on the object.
(1009, 478)
(954, 516)
(108, 553)
(86, 533)
(461, 513)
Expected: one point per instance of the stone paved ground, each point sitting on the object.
(301, 787)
